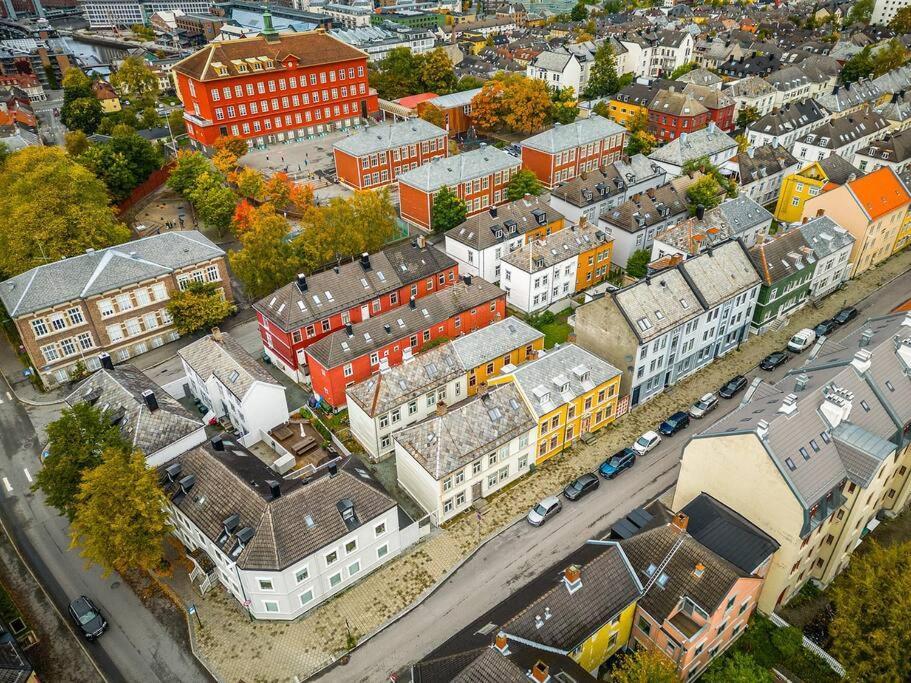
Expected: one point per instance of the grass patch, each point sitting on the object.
(554, 326)
(8, 610)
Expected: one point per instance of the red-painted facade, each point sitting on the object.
(667, 127)
(369, 171)
(553, 168)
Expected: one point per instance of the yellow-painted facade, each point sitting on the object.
(596, 649)
(622, 112)
(903, 239)
(796, 189)
(483, 373)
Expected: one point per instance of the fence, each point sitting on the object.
(811, 646)
(147, 187)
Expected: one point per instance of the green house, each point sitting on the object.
(786, 265)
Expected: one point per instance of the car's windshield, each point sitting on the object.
(702, 404)
(86, 617)
(615, 461)
(575, 485)
(642, 441)
(540, 509)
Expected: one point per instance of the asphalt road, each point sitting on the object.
(521, 551)
(51, 129)
(137, 647)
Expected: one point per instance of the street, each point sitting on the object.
(51, 129)
(511, 559)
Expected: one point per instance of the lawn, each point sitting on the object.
(554, 326)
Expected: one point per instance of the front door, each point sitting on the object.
(586, 421)
(476, 491)
(365, 312)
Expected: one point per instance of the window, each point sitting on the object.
(335, 580)
(354, 568)
(379, 529)
(644, 626)
(266, 585)
(382, 551)
(270, 605)
(351, 546)
(332, 557)
(306, 596)
(39, 327)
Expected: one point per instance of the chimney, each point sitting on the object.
(365, 261)
(572, 578)
(333, 469)
(467, 279)
(698, 570)
(539, 672)
(800, 382)
(681, 521)
(349, 330)
(336, 269)
(836, 406)
(762, 429)
(388, 328)
(493, 211)
(820, 212)
(216, 334)
(441, 408)
(217, 443)
(865, 338)
(422, 241)
(274, 488)
(173, 471)
(90, 251)
(411, 303)
(789, 405)
(106, 361)
(861, 360)
(700, 212)
(805, 220)
(500, 643)
(151, 402)
(302, 282)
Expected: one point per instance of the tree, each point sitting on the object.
(871, 633)
(468, 83)
(213, 201)
(705, 192)
(124, 162)
(738, 667)
(706, 167)
(176, 122)
(603, 79)
(641, 141)
(267, 260)
(437, 74)
(187, 170)
(432, 115)
(76, 441)
(76, 85)
(636, 264)
(76, 142)
(51, 208)
(235, 146)
(524, 182)
(512, 102)
(579, 12)
(398, 74)
(683, 69)
(901, 22)
(888, 57)
(136, 79)
(746, 116)
(4, 153)
(121, 518)
(249, 182)
(447, 212)
(861, 11)
(645, 666)
(564, 108)
(198, 307)
(83, 113)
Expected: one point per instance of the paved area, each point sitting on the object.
(165, 210)
(516, 553)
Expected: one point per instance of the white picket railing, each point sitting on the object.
(812, 647)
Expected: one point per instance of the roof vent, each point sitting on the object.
(862, 360)
(365, 261)
(151, 402)
(762, 429)
(789, 406)
(187, 483)
(173, 471)
(800, 382)
(274, 488)
(865, 338)
(230, 523)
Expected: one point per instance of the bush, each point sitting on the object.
(787, 641)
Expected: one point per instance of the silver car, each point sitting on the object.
(544, 510)
(704, 405)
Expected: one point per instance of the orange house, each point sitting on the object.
(486, 352)
(456, 110)
(376, 156)
(563, 152)
(593, 265)
(479, 178)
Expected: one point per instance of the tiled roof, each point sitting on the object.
(557, 247)
(845, 130)
(791, 117)
(701, 77)
(879, 192)
(895, 149)
(751, 86)
(710, 98)
(676, 104)
(782, 256)
(453, 170)
(121, 388)
(387, 136)
(104, 270)
(704, 142)
(308, 49)
(825, 236)
(332, 291)
(367, 336)
(607, 181)
(720, 273)
(572, 135)
(838, 170)
(765, 160)
(641, 93)
(234, 481)
(494, 226)
(236, 369)
(652, 206)
(494, 341)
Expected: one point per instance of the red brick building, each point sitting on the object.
(375, 157)
(362, 349)
(456, 110)
(273, 87)
(671, 113)
(303, 312)
(478, 177)
(563, 152)
(718, 102)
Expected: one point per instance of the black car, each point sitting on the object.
(673, 424)
(773, 360)
(579, 487)
(734, 386)
(845, 315)
(88, 617)
(618, 462)
(824, 329)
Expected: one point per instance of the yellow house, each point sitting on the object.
(105, 94)
(903, 238)
(811, 181)
(631, 101)
(507, 343)
(571, 392)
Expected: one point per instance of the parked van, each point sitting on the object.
(802, 340)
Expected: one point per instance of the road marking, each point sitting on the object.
(9, 487)
(9, 396)
(27, 474)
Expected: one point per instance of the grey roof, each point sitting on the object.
(676, 103)
(765, 160)
(838, 170)
(104, 270)
(708, 97)
(607, 181)
(862, 452)
(651, 207)
(121, 388)
(571, 135)
(825, 236)
(387, 136)
(658, 304)
(330, 291)
(782, 256)
(894, 149)
(444, 443)
(494, 341)
(700, 77)
(751, 86)
(402, 322)
(456, 99)
(792, 116)
(451, 171)
(702, 143)
(552, 60)
(788, 78)
(424, 372)
(561, 375)
(845, 130)
(743, 213)
(236, 369)
(557, 247)
(505, 222)
(234, 481)
(720, 273)
(844, 97)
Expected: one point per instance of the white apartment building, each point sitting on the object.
(559, 69)
(884, 10)
(754, 92)
(783, 126)
(832, 245)
(111, 13)
(843, 136)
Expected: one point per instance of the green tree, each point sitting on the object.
(135, 79)
(176, 122)
(51, 208)
(522, 183)
(76, 441)
(189, 167)
(746, 116)
(888, 57)
(901, 22)
(641, 141)
(437, 74)
(705, 191)
(76, 142)
(468, 83)
(861, 11)
(564, 107)
(645, 666)
(124, 162)
(121, 519)
(636, 264)
(603, 80)
(433, 115)
(448, 211)
(83, 113)
(76, 85)
(213, 201)
(683, 69)
(871, 633)
(266, 260)
(579, 12)
(4, 154)
(706, 167)
(738, 667)
(198, 307)
(398, 74)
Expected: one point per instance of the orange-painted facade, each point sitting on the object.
(553, 168)
(382, 168)
(593, 265)
(456, 120)
(483, 372)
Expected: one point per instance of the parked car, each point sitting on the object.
(704, 405)
(802, 340)
(581, 486)
(618, 462)
(88, 617)
(646, 442)
(845, 315)
(544, 510)
(773, 360)
(733, 386)
(674, 423)
(824, 329)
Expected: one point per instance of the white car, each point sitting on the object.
(646, 442)
(544, 510)
(704, 405)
